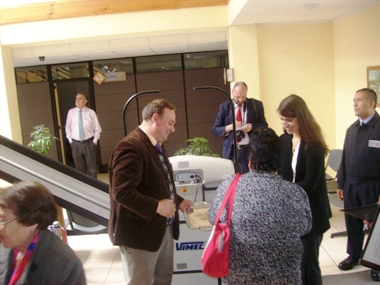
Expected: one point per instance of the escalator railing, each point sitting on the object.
(73, 190)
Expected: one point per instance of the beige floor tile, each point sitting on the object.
(112, 283)
(102, 260)
(340, 229)
(337, 256)
(96, 275)
(82, 254)
(330, 270)
(82, 242)
(335, 244)
(325, 260)
(116, 275)
(117, 261)
(358, 268)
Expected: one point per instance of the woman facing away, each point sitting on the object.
(304, 151)
(269, 216)
(29, 252)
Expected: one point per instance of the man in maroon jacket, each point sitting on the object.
(144, 203)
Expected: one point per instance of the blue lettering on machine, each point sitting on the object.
(196, 179)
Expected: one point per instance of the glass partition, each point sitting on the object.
(138, 65)
(158, 63)
(202, 60)
(70, 71)
(31, 74)
(114, 65)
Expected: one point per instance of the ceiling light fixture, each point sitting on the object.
(311, 5)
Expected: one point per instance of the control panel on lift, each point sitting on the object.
(196, 179)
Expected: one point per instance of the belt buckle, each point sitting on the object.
(244, 146)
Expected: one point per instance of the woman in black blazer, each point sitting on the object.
(304, 151)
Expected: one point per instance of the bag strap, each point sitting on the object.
(230, 193)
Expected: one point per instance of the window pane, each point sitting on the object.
(201, 60)
(158, 63)
(117, 65)
(69, 71)
(31, 74)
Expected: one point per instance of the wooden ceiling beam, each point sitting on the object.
(80, 8)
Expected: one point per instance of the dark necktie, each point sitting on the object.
(159, 149)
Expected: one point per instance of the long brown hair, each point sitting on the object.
(294, 106)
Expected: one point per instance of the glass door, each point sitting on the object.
(65, 92)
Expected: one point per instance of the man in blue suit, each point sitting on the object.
(359, 172)
(249, 114)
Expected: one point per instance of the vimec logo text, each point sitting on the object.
(197, 245)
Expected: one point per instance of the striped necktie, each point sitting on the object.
(160, 154)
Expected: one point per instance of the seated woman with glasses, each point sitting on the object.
(29, 252)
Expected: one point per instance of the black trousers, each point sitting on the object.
(84, 155)
(310, 270)
(355, 195)
(242, 157)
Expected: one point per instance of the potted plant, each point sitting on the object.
(42, 139)
(196, 146)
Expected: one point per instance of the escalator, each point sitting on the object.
(82, 195)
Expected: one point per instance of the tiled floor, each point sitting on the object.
(102, 261)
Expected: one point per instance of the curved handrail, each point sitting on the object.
(237, 165)
(129, 100)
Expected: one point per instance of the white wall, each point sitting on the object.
(10, 125)
(114, 25)
(298, 59)
(356, 46)
(323, 63)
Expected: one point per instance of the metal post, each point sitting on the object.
(237, 165)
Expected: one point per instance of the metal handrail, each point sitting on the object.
(237, 165)
(129, 100)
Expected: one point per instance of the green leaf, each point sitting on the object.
(42, 139)
(196, 146)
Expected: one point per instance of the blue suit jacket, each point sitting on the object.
(255, 116)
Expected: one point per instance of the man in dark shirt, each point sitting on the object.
(359, 172)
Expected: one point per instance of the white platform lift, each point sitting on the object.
(196, 179)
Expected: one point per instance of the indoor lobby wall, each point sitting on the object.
(113, 26)
(61, 33)
(356, 46)
(243, 57)
(298, 59)
(10, 126)
(324, 63)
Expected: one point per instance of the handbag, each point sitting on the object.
(216, 255)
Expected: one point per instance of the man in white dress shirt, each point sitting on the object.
(83, 132)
